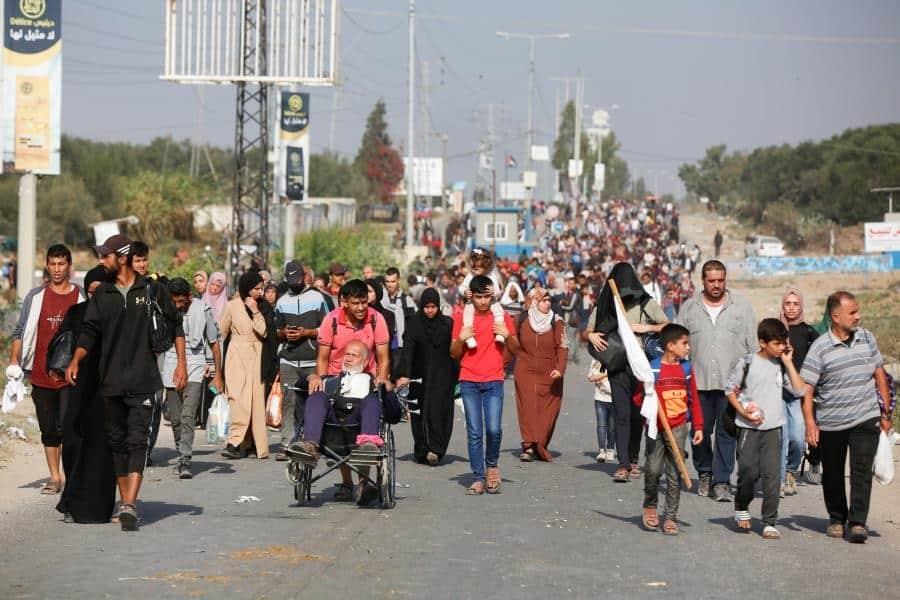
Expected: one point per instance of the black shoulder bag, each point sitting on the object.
(161, 338)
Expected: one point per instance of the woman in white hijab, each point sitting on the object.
(540, 365)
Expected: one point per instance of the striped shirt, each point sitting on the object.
(843, 376)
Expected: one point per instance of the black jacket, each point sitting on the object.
(127, 363)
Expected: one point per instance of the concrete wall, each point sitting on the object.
(759, 266)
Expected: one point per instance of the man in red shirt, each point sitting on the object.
(481, 378)
(42, 313)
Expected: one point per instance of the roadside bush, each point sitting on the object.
(355, 248)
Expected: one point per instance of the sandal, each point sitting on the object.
(476, 489)
(51, 487)
(527, 455)
(742, 519)
(621, 475)
(670, 527)
(635, 472)
(344, 493)
(770, 533)
(650, 519)
(493, 480)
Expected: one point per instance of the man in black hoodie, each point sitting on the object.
(118, 316)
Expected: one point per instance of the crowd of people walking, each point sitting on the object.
(754, 398)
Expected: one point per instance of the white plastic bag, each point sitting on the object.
(884, 458)
(219, 420)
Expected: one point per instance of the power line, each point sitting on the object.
(115, 11)
(365, 29)
(77, 25)
(736, 35)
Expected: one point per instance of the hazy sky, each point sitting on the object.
(685, 75)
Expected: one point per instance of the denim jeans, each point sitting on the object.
(484, 413)
(606, 425)
(793, 442)
(718, 459)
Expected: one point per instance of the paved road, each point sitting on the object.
(557, 530)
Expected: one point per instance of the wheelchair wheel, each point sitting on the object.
(300, 476)
(387, 478)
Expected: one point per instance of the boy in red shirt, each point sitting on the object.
(481, 378)
(677, 392)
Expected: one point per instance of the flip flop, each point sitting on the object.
(650, 519)
(476, 489)
(51, 487)
(670, 527)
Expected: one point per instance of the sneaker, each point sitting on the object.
(231, 452)
(858, 534)
(601, 456)
(611, 455)
(721, 493)
(705, 484)
(432, 459)
(835, 530)
(814, 474)
(115, 516)
(184, 469)
(128, 518)
(790, 484)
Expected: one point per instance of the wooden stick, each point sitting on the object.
(677, 452)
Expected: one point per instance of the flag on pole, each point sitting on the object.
(640, 367)
(511, 162)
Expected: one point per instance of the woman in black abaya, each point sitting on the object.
(90, 492)
(645, 316)
(426, 355)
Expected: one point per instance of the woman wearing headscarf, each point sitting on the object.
(216, 294)
(513, 298)
(645, 316)
(244, 325)
(376, 293)
(90, 492)
(801, 336)
(426, 355)
(200, 279)
(540, 366)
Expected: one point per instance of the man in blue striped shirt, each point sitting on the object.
(842, 412)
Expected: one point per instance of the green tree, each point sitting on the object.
(714, 175)
(162, 205)
(617, 176)
(334, 177)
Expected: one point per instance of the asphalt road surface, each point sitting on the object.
(557, 530)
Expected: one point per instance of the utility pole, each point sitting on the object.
(426, 108)
(410, 136)
(335, 107)
(531, 37)
(25, 249)
(444, 193)
(579, 101)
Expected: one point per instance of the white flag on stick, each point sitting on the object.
(640, 367)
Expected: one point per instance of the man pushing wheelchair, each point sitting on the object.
(352, 368)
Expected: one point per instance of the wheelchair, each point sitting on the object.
(338, 448)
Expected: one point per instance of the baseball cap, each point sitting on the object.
(118, 244)
(337, 268)
(293, 273)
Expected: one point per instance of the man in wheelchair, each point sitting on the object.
(353, 361)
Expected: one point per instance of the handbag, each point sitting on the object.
(161, 338)
(614, 359)
(273, 404)
(60, 351)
